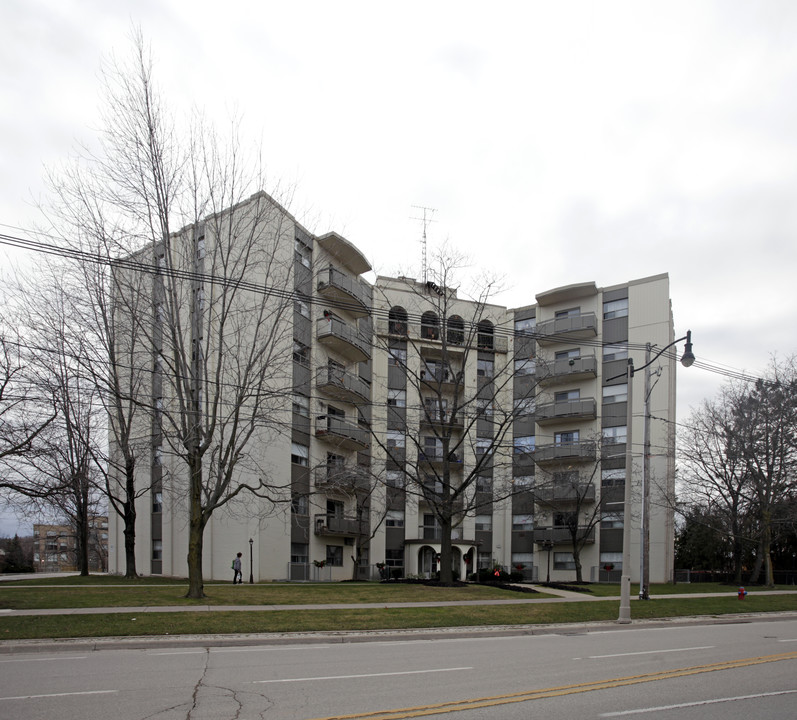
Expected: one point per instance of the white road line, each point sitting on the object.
(179, 652)
(349, 677)
(648, 652)
(280, 648)
(44, 659)
(53, 695)
(695, 704)
(789, 640)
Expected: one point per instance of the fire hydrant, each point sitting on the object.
(741, 594)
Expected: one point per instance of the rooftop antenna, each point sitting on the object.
(426, 220)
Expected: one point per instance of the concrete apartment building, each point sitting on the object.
(399, 388)
(55, 546)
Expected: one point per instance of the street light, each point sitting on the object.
(687, 359)
(251, 569)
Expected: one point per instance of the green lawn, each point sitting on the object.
(116, 592)
(607, 590)
(142, 624)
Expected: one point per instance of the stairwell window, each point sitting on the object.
(615, 393)
(300, 454)
(484, 523)
(615, 309)
(394, 519)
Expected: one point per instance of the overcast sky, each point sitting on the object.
(558, 142)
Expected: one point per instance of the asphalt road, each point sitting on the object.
(746, 669)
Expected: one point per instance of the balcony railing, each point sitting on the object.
(565, 452)
(437, 456)
(565, 329)
(566, 493)
(566, 370)
(339, 525)
(424, 334)
(344, 289)
(431, 532)
(560, 535)
(341, 476)
(341, 432)
(581, 409)
(342, 385)
(337, 335)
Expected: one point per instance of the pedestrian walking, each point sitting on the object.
(236, 566)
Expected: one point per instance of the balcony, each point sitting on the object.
(565, 493)
(565, 453)
(343, 339)
(346, 292)
(436, 458)
(342, 385)
(560, 535)
(567, 329)
(441, 377)
(566, 370)
(566, 410)
(341, 476)
(431, 339)
(433, 418)
(340, 525)
(435, 534)
(341, 432)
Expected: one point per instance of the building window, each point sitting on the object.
(569, 437)
(394, 518)
(395, 479)
(435, 408)
(615, 351)
(526, 327)
(573, 353)
(611, 521)
(484, 560)
(525, 405)
(484, 523)
(397, 321)
(525, 366)
(430, 326)
(157, 549)
(397, 357)
(568, 313)
(301, 353)
(300, 454)
(157, 501)
(483, 446)
(566, 396)
(335, 555)
(299, 504)
(395, 439)
(484, 407)
(299, 553)
(522, 523)
(301, 405)
(615, 309)
(485, 368)
(524, 444)
(563, 561)
(455, 333)
(397, 398)
(484, 484)
(394, 558)
(524, 559)
(157, 456)
(613, 478)
(200, 248)
(615, 393)
(302, 308)
(523, 482)
(612, 558)
(614, 435)
(302, 252)
(484, 335)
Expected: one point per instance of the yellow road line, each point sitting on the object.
(491, 701)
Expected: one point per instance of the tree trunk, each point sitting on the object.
(446, 574)
(130, 539)
(196, 530)
(766, 549)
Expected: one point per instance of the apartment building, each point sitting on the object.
(399, 398)
(55, 546)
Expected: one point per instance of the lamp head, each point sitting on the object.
(688, 357)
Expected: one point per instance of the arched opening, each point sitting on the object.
(485, 335)
(397, 321)
(456, 330)
(430, 326)
(427, 561)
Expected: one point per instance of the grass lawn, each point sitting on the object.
(117, 592)
(612, 590)
(138, 624)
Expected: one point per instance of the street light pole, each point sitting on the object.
(251, 567)
(625, 580)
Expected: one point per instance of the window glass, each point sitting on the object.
(524, 444)
(157, 549)
(395, 438)
(613, 477)
(300, 454)
(157, 501)
(484, 522)
(301, 405)
(335, 555)
(615, 393)
(485, 368)
(615, 351)
(563, 561)
(299, 504)
(612, 558)
(525, 327)
(397, 357)
(611, 521)
(614, 435)
(397, 398)
(566, 395)
(570, 312)
(484, 484)
(522, 523)
(566, 438)
(525, 405)
(615, 309)
(524, 482)
(525, 366)
(394, 518)
(299, 553)
(566, 354)
(301, 353)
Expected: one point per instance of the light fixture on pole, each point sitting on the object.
(687, 359)
(251, 568)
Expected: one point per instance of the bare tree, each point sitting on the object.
(187, 237)
(459, 372)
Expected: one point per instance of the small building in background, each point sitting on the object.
(55, 546)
